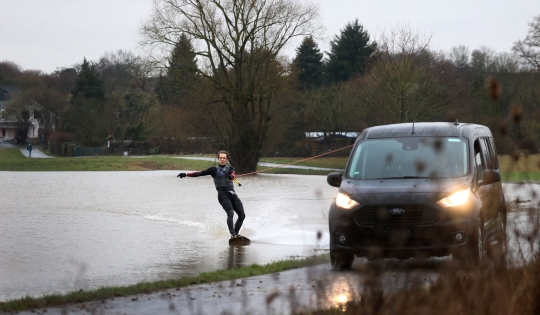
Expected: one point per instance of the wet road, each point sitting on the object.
(282, 293)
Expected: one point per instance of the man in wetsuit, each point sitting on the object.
(223, 179)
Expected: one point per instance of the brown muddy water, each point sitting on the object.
(66, 231)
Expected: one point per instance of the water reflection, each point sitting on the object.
(236, 256)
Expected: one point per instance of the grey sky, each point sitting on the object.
(46, 35)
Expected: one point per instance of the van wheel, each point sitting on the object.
(497, 252)
(341, 260)
(473, 251)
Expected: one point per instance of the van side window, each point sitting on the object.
(478, 161)
(493, 153)
(488, 158)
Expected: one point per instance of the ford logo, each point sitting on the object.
(397, 211)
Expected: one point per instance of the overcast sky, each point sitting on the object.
(46, 35)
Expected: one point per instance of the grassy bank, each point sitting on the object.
(148, 287)
(526, 168)
(13, 160)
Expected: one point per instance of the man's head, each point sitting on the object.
(223, 157)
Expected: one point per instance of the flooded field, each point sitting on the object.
(65, 231)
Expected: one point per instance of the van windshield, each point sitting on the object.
(413, 157)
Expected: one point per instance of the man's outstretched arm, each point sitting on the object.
(209, 171)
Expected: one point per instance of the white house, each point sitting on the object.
(8, 127)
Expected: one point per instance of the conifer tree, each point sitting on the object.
(350, 52)
(181, 73)
(88, 84)
(88, 116)
(309, 64)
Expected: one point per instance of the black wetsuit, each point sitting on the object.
(226, 195)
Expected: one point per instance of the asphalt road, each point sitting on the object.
(281, 293)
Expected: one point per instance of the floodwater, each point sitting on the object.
(66, 231)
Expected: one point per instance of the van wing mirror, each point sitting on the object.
(334, 179)
(490, 177)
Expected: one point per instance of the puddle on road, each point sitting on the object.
(66, 231)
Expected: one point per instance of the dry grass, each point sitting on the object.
(481, 290)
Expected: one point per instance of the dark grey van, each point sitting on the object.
(418, 190)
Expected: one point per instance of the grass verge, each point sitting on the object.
(148, 287)
(478, 290)
(13, 160)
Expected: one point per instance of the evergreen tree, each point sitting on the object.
(181, 73)
(88, 116)
(88, 84)
(349, 52)
(309, 64)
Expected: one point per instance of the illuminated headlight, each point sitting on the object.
(457, 199)
(343, 201)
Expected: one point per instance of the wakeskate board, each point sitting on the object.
(239, 241)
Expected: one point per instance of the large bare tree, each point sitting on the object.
(528, 50)
(237, 44)
(406, 81)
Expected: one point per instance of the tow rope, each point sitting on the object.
(282, 165)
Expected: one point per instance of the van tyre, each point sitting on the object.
(341, 260)
(473, 251)
(497, 252)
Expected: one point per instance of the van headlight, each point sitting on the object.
(345, 202)
(456, 199)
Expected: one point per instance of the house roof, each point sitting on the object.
(12, 124)
(6, 92)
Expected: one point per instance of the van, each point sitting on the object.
(419, 190)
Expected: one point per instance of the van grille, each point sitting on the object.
(413, 215)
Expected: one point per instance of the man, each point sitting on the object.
(223, 179)
(29, 148)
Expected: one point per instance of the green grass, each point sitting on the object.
(148, 287)
(525, 169)
(330, 162)
(13, 160)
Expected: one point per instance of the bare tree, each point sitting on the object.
(237, 43)
(405, 78)
(332, 110)
(19, 110)
(51, 104)
(506, 63)
(483, 60)
(528, 50)
(459, 56)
